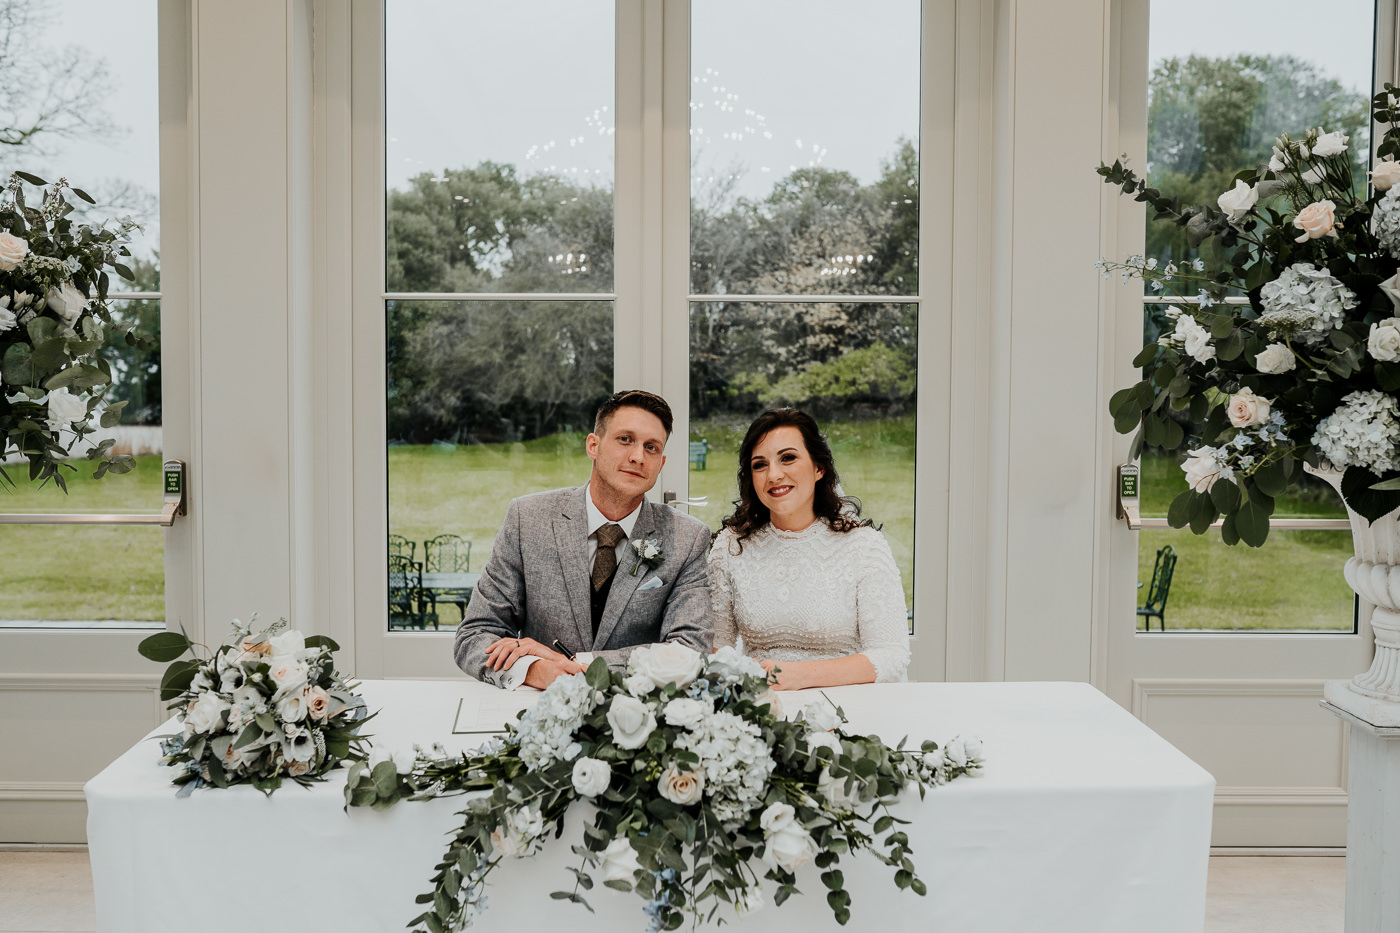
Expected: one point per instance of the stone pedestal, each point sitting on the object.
(1373, 809)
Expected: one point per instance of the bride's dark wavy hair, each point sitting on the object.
(842, 513)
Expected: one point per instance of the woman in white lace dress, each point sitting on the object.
(810, 588)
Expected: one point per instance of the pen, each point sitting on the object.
(564, 651)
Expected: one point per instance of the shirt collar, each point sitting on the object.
(597, 519)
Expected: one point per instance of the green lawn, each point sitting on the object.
(1294, 582)
(88, 572)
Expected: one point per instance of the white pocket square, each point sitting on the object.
(652, 584)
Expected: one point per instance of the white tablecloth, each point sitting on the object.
(1085, 821)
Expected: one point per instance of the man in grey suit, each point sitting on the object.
(565, 583)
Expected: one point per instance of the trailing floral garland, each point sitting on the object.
(54, 321)
(268, 706)
(701, 790)
(1308, 370)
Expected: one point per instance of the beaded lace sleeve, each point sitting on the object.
(721, 592)
(881, 617)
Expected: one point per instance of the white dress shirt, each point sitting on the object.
(515, 674)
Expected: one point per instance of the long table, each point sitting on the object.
(1085, 820)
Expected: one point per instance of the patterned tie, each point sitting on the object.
(605, 561)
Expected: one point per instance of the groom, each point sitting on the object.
(565, 583)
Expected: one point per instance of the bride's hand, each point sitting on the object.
(785, 677)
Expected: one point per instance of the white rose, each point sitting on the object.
(1391, 288)
(64, 409)
(973, 746)
(631, 720)
(638, 684)
(956, 752)
(1384, 342)
(786, 845)
(816, 740)
(686, 713)
(665, 663)
(681, 787)
(834, 790)
(935, 759)
(1385, 174)
(292, 707)
(591, 776)
(1318, 219)
(619, 861)
(730, 665)
(1330, 144)
(205, 714)
(7, 317)
(67, 302)
(1195, 339)
(287, 673)
(1246, 408)
(13, 249)
(1276, 161)
(820, 716)
(1203, 470)
(1238, 201)
(290, 644)
(1314, 176)
(1274, 359)
(776, 817)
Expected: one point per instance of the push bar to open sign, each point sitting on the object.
(174, 488)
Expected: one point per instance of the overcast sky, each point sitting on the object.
(775, 84)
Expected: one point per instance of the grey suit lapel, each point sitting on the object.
(571, 543)
(624, 584)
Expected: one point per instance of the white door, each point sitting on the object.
(1232, 670)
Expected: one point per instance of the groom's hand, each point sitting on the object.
(505, 652)
(544, 671)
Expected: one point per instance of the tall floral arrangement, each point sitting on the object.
(701, 791)
(54, 320)
(265, 707)
(1307, 370)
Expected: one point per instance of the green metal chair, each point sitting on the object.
(1159, 589)
(407, 607)
(448, 554)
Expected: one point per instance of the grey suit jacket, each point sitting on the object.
(535, 585)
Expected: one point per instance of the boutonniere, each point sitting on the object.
(648, 552)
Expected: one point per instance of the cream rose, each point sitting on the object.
(786, 845)
(665, 663)
(1274, 359)
(64, 409)
(591, 776)
(632, 721)
(290, 644)
(1385, 174)
(318, 704)
(1384, 342)
(1238, 201)
(1318, 219)
(256, 644)
(1330, 144)
(296, 767)
(67, 302)
(13, 249)
(288, 674)
(1247, 409)
(681, 787)
(292, 707)
(619, 861)
(206, 713)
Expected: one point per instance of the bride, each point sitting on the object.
(813, 591)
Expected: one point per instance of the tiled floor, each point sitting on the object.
(51, 892)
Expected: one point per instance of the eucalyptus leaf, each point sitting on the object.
(1252, 523)
(164, 646)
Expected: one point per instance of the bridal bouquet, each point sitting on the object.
(701, 790)
(268, 706)
(1308, 370)
(53, 321)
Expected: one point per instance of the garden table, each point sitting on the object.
(1084, 820)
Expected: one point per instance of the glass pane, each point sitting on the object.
(804, 127)
(1219, 97)
(1293, 583)
(487, 401)
(852, 366)
(499, 146)
(81, 102)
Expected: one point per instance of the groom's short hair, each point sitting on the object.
(632, 398)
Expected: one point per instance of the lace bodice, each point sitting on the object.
(810, 595)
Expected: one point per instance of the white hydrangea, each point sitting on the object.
(546, 731)
(1364, 431)
(729, 665)
(1385, 221)
(1305, 303)
(736, 760)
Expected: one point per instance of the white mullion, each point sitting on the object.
(628, 200)
(673, 334)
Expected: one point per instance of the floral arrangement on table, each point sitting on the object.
(268, 706)
(1308, 370)
(53, 321)
(701, 790)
